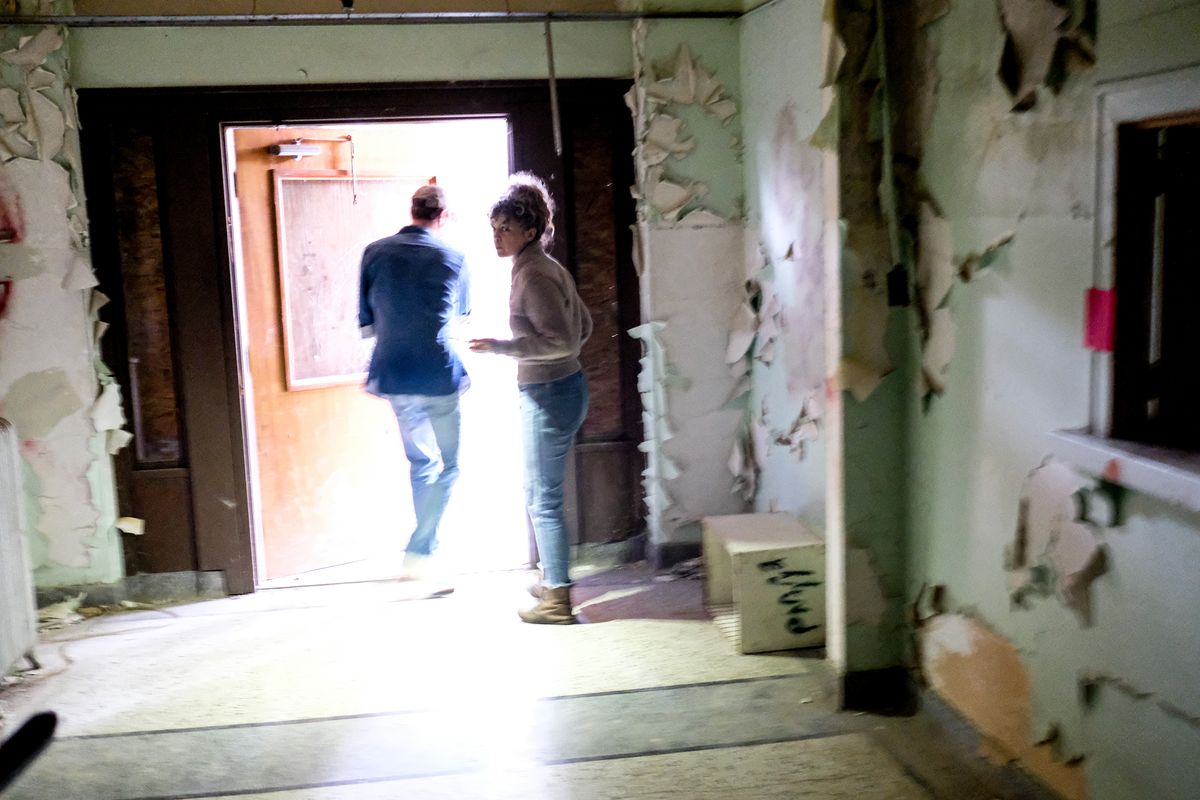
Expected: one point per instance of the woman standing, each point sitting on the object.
(549, 324)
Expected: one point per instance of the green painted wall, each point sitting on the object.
(875, 432)
(107, 57)
(716, 160)
(781, 71)
(1020, 371)
(51, 377)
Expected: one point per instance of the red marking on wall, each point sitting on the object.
(6, 290)
(12, 229)
(1112, 471)
(1100, 320)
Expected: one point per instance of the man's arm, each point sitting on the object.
(464, 290)
(366, 315)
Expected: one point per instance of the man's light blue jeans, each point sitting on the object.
(429, 426)
(551, 414)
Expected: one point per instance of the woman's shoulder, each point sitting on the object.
(542, 264)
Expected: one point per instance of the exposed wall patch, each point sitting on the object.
(38, 401)
(52, 381)
(981, 674)
(1056, 549)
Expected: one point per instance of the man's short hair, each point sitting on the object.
(428, 202)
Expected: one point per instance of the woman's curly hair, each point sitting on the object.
(527, 202)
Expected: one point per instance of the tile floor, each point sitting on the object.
(363, 692)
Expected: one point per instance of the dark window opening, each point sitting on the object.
(1156, 361)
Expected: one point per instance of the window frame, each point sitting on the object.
(1173, 475)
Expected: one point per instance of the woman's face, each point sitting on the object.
(509, 237)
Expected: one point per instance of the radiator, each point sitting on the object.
(18, 617)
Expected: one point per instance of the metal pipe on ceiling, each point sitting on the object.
(352, 18)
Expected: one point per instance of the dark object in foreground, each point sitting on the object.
(19, 751)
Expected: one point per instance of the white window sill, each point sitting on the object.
(1171, 475)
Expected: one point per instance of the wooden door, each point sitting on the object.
(598, 212)
(332, 480)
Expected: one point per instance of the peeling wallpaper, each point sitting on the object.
(1020, 371)
(53, 387)
(781, 73)
(877, 346)
(716, 159)
(933, 487)
(690, 258)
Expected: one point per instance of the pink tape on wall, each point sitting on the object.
(1100, 318)
(12, 230)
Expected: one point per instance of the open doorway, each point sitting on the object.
(161, 204)
(328, 478)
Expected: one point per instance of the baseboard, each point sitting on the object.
(663, 555)
(609, 554)
(157, 587)
(942, 751)
(890, 691)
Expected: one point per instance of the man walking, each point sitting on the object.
(412, 289)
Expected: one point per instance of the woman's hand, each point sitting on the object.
(482, 345)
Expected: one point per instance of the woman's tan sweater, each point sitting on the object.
(548, 319)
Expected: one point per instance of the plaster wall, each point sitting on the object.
(691, 255)
(716, 159)
(877, 339)
(781, 69)
(61, 399)
(1020, 371)
(296, 55)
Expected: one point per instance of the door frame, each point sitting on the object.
(189, 127)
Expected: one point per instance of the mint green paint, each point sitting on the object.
(1116, 770)
(38, 546)
(875, 431)
(104, 545)
(112, 57)
(781, 69)
(1141, 38)
(1019, 372)
(105, 561)
(874, 461)
(716, 159)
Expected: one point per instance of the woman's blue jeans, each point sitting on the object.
(551, 414)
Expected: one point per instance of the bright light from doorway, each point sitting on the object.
(484, 527)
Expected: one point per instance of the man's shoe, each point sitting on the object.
(554, 608)
(416, 567)
(421, 570)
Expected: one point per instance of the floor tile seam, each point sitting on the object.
(749, 743)
(318, 606)
(425, 710)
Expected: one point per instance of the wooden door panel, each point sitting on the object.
(331, 476)
(607, 462)
(163, 498)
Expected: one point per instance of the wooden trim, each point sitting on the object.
(163, 472)
(196, 258)
(1169, 120)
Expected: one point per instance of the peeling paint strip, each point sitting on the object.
(1089, 680)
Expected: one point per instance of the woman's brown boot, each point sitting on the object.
(554, 608)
